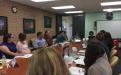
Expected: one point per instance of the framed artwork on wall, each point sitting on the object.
(3, 25)
(47, 22)
(28, 26)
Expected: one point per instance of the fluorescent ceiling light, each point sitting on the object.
(113, 9)
(71, 12)
(111, 3)
(64, 7)
(42, 0)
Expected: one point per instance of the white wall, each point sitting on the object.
(90, 18)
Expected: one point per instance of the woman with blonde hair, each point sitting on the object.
(46, 61)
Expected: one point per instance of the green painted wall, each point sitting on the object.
(90, 18)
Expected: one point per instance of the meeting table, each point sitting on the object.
(22, 65)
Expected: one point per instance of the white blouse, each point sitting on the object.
(23, 47)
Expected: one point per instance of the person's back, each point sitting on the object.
(100, 67)
(96, 62)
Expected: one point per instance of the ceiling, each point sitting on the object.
(83, 5)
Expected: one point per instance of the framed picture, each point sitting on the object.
(3, 25)
(47, 21)
(28, 26)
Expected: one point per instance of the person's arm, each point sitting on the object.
(35, 44)
(5, 49)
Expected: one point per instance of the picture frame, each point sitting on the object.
(28, 26)
(47, 22)
(3, 25)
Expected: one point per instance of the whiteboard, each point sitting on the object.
(114, 27)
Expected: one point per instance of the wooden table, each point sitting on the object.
(19, 69)
(23, 63)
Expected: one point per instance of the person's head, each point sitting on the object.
(62, 33)
(47, 33)
(91, 33)
(108, 35)
(94, 51)
(100, 36)
(47, 61)
(22, 37)
(39, 35)
(8, 37)
(103, 31)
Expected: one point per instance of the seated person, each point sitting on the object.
(22, 45)
(8, 47)
(61, 37)
(48, 38)
(100, 36)
(95, 62)
(91, 35)
(40, 41)
(47, 61)
(77, 36)
(4, 50)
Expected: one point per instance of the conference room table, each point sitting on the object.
(23, 63)
(19, 69)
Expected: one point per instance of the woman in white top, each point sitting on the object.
(22, 45)
(95, 62)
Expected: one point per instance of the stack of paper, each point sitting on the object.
(76, 71)
(25, 56)
(80, 60)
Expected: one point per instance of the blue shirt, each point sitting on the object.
(40, 43)
(1, 54)
(12, 47)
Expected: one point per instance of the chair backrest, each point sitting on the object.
(58, 49)
(114, 60)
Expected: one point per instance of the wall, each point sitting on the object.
(15, 20)
(91, 17)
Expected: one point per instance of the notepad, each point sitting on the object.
(80, 60)
(25, 56)
(76, 71)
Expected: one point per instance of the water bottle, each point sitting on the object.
(13, 62)
(4, 61)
